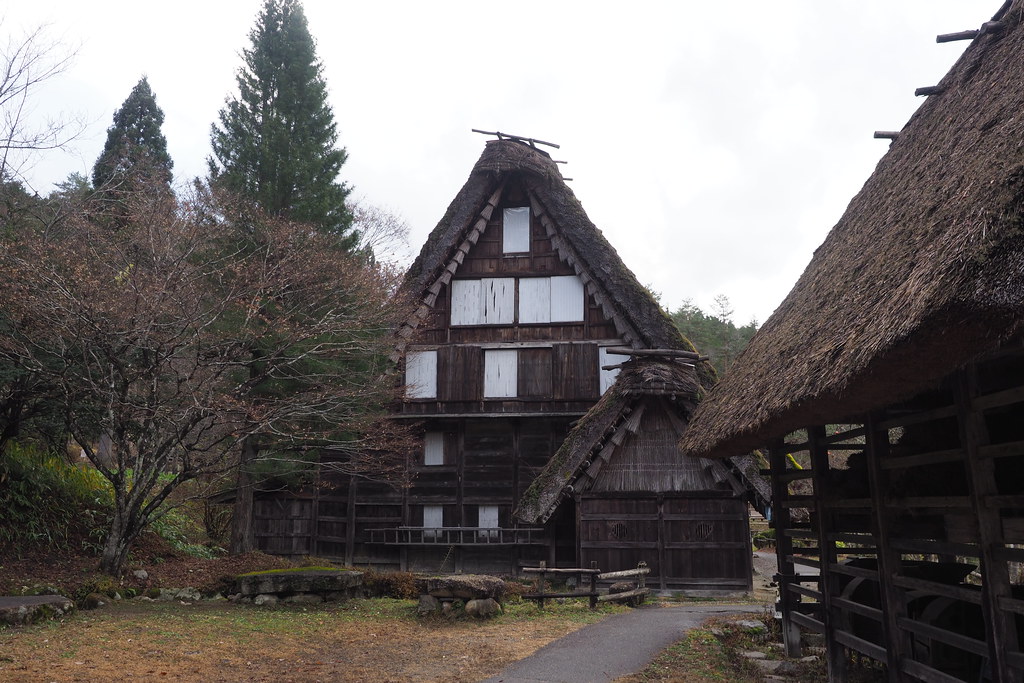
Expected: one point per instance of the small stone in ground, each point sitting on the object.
(754, 654)
(141, 574)
(265, 599)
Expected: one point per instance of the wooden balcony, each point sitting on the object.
(417, 535)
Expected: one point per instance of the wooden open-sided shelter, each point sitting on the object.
(525, 314)
(893, 373)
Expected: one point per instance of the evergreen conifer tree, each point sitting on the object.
(135, 154)
(276, 141)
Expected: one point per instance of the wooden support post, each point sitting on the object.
(1000, 625)
(835, 654)
(543, 579)
(350, 526)
(886, 134)
(593, 584)
(784, 549)
(894, 606)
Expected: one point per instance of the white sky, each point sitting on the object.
(714, 143)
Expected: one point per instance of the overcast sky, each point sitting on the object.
(714, 143)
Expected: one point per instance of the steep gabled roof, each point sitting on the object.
(924, 270)
(637, 317)
(595, 438)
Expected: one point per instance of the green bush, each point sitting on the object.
(49, 503)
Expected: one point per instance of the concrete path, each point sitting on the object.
(616, 646)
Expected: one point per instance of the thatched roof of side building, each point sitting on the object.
(637, 316)
(594, 442)
(924, 271)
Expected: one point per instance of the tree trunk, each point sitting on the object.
(242, 537)
(115, 549)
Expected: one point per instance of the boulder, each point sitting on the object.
(428, 605)
(29, 609)
(322, 582)
(265, 599)
(94, 601)
(483, 609)
(304, 599)
(463, 587)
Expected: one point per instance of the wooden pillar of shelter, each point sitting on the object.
(781, 522)
(894, 606)
(1000, 626)
(350, 526)
(836, 656)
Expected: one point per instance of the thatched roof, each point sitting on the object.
(639, 318)
(924, 271)
(597, 434)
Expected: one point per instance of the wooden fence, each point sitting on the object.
(594, 575)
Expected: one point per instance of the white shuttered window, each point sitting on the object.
(567, 298)
(604, 358)
(500, 373)
(516, 230)
(535, 300)
(433, 448)
(421, 374)
(489, 301)
(557, 299)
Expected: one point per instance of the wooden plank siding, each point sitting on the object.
(689, 540)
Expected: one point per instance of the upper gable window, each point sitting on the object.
(516, 230)
(558, 299)
(489, 301)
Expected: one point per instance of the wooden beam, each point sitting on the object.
(886, 134)
(838, 670)
(894, 605)
(658, 353)
(929, 90)
(1000, 626)
(959, 35)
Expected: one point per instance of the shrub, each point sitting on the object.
(49, 503)
(378, 584)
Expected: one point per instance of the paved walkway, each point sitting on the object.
(616, 646)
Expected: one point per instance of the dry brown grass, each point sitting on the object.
(366, 640)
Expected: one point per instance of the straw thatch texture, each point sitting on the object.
(639, 378)
(924, 270)
(503, 158)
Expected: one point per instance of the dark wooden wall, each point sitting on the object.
(692, 540)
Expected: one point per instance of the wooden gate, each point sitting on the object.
(692, 540)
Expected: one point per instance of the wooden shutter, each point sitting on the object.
(460, 373)
(466, 306)
(574, 371)
(567, 299)
(534, 373)
(608, 377)
(499, 300)
(421, 374)
(535, 300)
(500, 373)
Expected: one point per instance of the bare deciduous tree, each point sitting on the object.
(196, 327)
(26, 63)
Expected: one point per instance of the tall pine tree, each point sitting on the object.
(276, 141)
(135, 153)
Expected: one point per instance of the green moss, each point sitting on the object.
(296, 570)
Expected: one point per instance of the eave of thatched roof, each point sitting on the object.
(639, 378)
(639, 318)
(924, 270)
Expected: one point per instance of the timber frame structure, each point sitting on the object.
(888, 389)
(526, 316)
